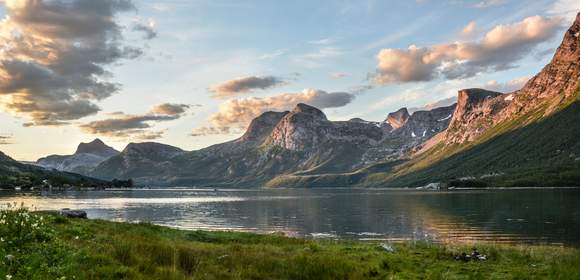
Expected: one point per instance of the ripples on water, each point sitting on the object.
(523, 216)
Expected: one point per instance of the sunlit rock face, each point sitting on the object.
(479, 110)
(398, 119)
(473, 114)
(262, 126)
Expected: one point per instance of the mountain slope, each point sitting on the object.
(527, 138)
(531, 136)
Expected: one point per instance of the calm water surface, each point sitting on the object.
(547, 216)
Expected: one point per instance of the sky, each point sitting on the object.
(192, 73)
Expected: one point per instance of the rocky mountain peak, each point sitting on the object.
(262, 126)
(560, 77)
(298, 130)
(96, 147)
(398, 119)
(468, 99)
(474, 113)
(307, 109)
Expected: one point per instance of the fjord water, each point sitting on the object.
(539, 216)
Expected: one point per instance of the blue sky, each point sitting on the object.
(330, 46)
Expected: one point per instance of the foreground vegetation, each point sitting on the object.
(48, 246)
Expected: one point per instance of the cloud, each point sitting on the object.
(568, 9)
(437, 104)
(317, 58)
(338, 75)
(324, 41)
(498, 50)
(235, 114)
(5, 140)
(148, 29)
(54, 54)
(244, 85)
(274, 54)
(469, 31)
(489, 3)
(508, 86)
(170, 109)
(121, 125)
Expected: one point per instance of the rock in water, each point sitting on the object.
(79, 214)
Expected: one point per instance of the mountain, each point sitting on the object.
(15, 174)
(398, 118)
(137, 160)
(530, 137)
(86, 157)
(524, 138)
(302, 141)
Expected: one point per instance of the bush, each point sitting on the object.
(19, 227)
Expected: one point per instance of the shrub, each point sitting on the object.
(19, 227)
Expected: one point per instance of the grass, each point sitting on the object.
(65, 248)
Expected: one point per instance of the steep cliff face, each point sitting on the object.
(86, 157)
(398, 119)
(474, 114)
(557, 82)
(262, 126)
(300, 129)
(479, 110)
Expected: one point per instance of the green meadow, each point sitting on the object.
(49, 246)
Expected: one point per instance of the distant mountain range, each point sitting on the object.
(525, 138)
(86, 157)
(14, 174)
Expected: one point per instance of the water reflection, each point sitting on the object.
(530, 216)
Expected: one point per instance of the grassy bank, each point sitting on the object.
(52, 247)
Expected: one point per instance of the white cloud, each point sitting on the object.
(489, 3)
(508, 86)
(567, 9)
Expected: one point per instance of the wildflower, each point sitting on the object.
(9, 257)
(8, 276)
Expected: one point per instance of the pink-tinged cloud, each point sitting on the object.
(235, 115)
(509, 86)
(498, 49)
